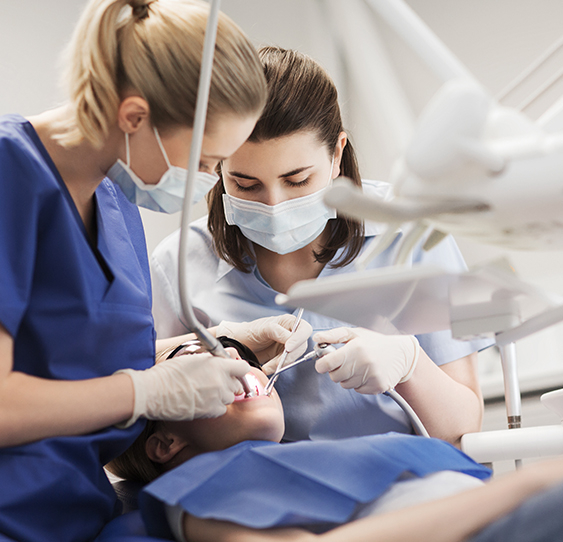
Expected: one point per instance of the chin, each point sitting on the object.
(259, 417)
(267, 426)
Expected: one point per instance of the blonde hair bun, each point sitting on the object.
(156, 51)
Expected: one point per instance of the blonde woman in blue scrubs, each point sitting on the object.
(77, 339)
(268, 228)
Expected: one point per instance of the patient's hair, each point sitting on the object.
(301, 98)
(134, 464)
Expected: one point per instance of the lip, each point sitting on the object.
(256, 385)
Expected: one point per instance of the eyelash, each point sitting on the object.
(241, 188)
(304, 182)
(250, 188)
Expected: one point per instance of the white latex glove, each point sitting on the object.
(266, 337)
(369, 362)
(186, 387)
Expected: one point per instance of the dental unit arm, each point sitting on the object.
(211, 344)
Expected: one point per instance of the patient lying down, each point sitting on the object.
(228, 478)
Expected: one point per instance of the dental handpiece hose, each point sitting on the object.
(211, 344)
(409, 411)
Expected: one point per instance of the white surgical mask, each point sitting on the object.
(166, 196)
(282, 228)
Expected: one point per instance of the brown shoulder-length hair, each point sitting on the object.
(301, 98)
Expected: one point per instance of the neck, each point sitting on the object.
(82, 167)
(281, 271)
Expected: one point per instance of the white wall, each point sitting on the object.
(32, 34)
(495, 40)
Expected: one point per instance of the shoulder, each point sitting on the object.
(446, 254)
(199, 242)
(17, 145)
(11, 126)
(16, 136)
(202, 260)
(200, 233)
(26, 170)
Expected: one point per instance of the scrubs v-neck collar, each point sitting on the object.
(93, 243)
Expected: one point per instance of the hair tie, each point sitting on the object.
(141, 12)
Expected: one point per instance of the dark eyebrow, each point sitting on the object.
(242, 176)
(295, 171)
(288, 174)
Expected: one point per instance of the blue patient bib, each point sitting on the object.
(263, 484)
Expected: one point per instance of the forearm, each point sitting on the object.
(208, 530)
(447, 407)
(453, 519)
(33, 408)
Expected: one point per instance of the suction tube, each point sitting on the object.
(211, 344)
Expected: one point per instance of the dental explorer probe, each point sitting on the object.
(321, 349)
(283, 357)
(211, 344)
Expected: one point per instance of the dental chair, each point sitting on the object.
(517, 442)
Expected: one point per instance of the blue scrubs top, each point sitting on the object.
(315, 408)
(76, 309)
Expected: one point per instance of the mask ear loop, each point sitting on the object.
(127, 153)
(330, 178)
(159, 141)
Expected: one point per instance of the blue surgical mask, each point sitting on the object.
(166, 196)
(282, 228)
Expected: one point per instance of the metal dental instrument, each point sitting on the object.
(283, 357)
(210, 343)
(321, 349)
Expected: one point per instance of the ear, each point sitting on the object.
(132, 113)
(163, 446)
(338, 152)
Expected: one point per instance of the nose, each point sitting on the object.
(233, 352)
(274, 195)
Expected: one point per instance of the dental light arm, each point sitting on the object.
(349, 200)
(210, 343)
(475, 169)
(472, 167)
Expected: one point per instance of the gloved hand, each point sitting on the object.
(266, 337)
(186, 387)
(369, 362)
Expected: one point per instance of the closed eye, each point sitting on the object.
(242, 188)
(292, 184)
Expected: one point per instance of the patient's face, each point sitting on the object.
(254, 418)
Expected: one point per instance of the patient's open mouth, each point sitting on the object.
(255, 385)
